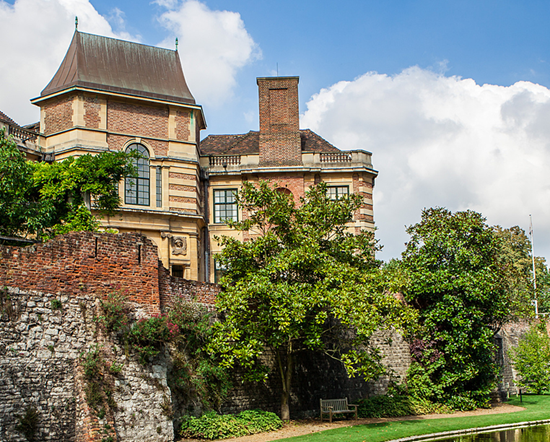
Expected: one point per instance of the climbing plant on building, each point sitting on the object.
(46, 199)
(299, 281)
(455, 279)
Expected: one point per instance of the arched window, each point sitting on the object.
(137, 187)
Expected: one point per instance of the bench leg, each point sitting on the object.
(330, 416)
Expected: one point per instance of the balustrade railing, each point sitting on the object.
(225, 160)
(335, 157)
(22, 134)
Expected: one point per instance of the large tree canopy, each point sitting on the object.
(456, 281)
(300, 280)
(45, 199)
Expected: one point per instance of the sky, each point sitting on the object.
(451, 97)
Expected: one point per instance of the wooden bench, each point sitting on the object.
(336, 406)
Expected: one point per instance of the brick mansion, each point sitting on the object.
(110, 94)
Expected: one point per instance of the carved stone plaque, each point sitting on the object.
(179, 245)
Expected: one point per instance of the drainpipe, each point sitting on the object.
(205, 234)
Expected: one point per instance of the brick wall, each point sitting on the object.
(363, 188)
(92, 108)
(134, 119)
(280, 142)
(84, 262)
(58, 115)
(183, 120)
(173, 289)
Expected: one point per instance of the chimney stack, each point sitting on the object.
(280, 143)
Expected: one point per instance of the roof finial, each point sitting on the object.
(76, 23)
(176, 44)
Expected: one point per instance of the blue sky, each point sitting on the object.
(451, 97)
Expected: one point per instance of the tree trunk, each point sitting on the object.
(285, 369)
(285, 411)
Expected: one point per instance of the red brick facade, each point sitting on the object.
(280, 142)
(92, 108)
(181, 188)
(100, 264)
(173, 289)
(182, 125)
(182, 176)
(58, 115)
(134, 119)
(182, 199)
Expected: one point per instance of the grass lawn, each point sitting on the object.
(537, 408)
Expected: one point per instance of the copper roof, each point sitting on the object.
(249, 143)
(112, 65)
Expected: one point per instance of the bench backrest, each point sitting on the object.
(336, 404)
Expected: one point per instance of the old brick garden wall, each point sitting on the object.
(41, 343)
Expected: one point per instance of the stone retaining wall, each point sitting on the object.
(40, 368)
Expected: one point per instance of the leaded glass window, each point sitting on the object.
(159, 186)
(137, 187)
(225, 205)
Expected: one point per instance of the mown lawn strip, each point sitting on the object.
(537, 408)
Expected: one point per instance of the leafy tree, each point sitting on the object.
(515, 257)
(531, 359)
(46, 199)
(299, 281)
(457, 284)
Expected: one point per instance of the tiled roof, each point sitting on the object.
(112, 65)
(249, 143)
(6, 119)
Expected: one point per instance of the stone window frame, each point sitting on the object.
(141, 195)
(217, 211)
(336, 192)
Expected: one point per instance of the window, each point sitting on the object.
(219, 270)
(225, 205)
(177, 271)
(337, 192)
(137, 187)
(159, 186)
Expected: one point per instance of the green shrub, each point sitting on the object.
(92, 362)
(531, 358)
(258, 421)
(196, 371)
(148, 335)
(398, 405)
(385, 406)
(56, 304)
(114, 316)
(214, 426)
(94, 395)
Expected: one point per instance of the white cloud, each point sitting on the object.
(213, 46)
(37, 35)
(444, 141)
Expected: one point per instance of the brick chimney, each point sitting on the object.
(279, 121)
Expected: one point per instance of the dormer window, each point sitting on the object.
(137, 187)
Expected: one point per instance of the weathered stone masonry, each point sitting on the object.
(40, 344)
